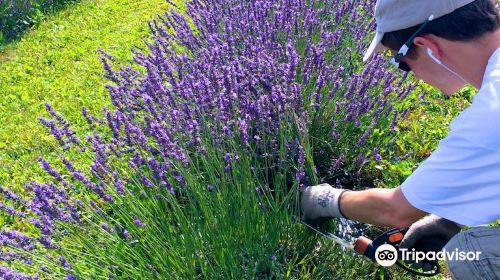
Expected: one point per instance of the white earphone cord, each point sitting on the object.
(429, 52)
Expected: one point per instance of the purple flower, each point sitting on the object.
(9, 257)
(139, 223)
(120, 189)
(376, 155)
(179, 178)
(11, 210)
(105, 227)
(60, 129)
(259, 190)
(9, 274)
(16, 239)
(49, 169)
(47, 242)
(11, 195)
(64, 263)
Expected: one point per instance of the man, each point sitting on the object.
(446, 43)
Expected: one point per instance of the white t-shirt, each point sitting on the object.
(460, 181)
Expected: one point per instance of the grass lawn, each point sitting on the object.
(58, 62)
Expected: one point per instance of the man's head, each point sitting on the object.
(437, 47)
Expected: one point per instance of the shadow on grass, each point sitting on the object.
(17, 17)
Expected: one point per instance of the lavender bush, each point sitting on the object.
(196, 169)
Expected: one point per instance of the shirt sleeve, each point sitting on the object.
(460, 181)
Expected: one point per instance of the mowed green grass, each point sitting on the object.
(58, 62)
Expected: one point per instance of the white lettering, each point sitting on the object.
(418, 256)
(471, 256)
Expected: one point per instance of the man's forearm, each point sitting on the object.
(381, 207)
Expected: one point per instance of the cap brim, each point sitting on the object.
(375, 47)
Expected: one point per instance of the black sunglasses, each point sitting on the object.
(396, 59)
(404, 66)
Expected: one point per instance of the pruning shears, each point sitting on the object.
(367, 247)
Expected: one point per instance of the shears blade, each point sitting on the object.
(342, 242)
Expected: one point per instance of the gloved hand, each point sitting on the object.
(320, 202)
(429, 234)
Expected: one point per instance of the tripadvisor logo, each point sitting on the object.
(387, 255)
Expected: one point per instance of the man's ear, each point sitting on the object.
(427, 42)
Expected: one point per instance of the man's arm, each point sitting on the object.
(380, 207)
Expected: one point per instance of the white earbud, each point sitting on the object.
(429, 52)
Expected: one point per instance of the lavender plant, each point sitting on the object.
(196, 169)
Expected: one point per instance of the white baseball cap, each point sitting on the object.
(394, 15)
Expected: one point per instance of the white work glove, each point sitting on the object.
(320, 202)
(429, 234)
